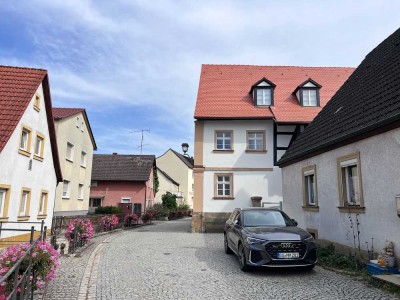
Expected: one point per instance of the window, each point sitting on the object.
(78, 122)
(95, 202)
(36, 103)
(310, 198)
(125, 200)
(65, 193)
(224, 140)
(25, 141)
(83, 127)
(4, 201)
(256, 140)
(308, 93)
(24, 203)
(80, 191)
(263, 92)
(43, 202)
(93, 184)
(223, 186)
(349, 178)
(70, 152)
(83, 159)
(39, 146)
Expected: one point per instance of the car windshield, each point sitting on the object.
(256, 218)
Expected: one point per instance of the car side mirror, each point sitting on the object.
(295, 222)
(236, 222)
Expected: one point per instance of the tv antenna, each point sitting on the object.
(141, 142)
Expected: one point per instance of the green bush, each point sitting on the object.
(159, 211)
(169, 201)
(108, 210)
(328, 256)
(183, 207)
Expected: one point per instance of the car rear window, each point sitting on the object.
(257, 218)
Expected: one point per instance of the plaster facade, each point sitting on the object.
(27, 171)
(380, 165)
(165, 185)
(74, 130)
(170, 163)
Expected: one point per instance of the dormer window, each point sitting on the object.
(263, 92)
(308, 93)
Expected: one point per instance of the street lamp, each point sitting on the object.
(185, 147)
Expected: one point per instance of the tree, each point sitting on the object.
(169, 201)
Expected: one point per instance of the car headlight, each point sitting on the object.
(251, 240)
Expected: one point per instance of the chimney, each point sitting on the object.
(115, 153)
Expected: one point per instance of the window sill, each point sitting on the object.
(84, 167)
(80, 199)
(223, 198)
(24, 152)
(70, 160)
(36, 108)
(257, 151)
(41, 217)
(66, 197)
(23, 218)
(223, 151)
(311, 208)
(352, 209)
(39, 158)
(4, 219)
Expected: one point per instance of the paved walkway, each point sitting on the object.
(166, 261)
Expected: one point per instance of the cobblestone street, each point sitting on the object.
(166, 261)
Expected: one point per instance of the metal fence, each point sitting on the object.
(20, 274)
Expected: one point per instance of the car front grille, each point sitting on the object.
(273, 248)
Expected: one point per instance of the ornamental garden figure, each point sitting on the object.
(387, 259)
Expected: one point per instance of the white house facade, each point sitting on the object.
(245, 119)
(30, 169)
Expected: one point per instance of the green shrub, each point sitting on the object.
(183, 207)
(328, 256)
(169, 201)
(159, 211)
(108, 210)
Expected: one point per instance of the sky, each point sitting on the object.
(135, 64)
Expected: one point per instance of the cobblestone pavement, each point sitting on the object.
(165, 261)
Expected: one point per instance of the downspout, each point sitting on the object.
(145, 197)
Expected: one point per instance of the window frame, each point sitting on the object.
(25, 151)
(264, 141)
(224, 131)
(307, 171)
(67, 195)
(40, 155)
(343, 163)
(126, 198)
(78, 122)
(302, 89)
(81, 192)
(70, 159)
(36, 102)
(24, 216)
(42, 213)
(5, 202)
(223, 197)
(263, 89)
(84, 156)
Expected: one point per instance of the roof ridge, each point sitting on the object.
(278, 66)
(68, 108)
(24, 68)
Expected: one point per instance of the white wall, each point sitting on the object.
(246, 183)
(14, 169)
(380, 171)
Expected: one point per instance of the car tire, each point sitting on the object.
(226, 246)
(242, 259)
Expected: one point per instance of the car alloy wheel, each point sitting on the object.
(226, 247)
(242, 259)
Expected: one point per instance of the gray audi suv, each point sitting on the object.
(263, 237)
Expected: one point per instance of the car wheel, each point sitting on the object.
(242, 259)
(226, 246)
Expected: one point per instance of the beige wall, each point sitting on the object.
(165, 185)
(180, 172)
(67, 131)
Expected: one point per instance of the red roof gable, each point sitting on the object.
(17, 87)
(224, 91)
(62, 113)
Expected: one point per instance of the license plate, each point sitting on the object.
(288, 255)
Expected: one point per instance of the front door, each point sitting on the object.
(137, 209)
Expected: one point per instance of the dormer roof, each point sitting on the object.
(309, 83)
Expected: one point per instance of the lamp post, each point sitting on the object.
(185, 147)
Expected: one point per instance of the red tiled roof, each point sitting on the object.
(60, 113)
(17, 87)
(224, 91)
